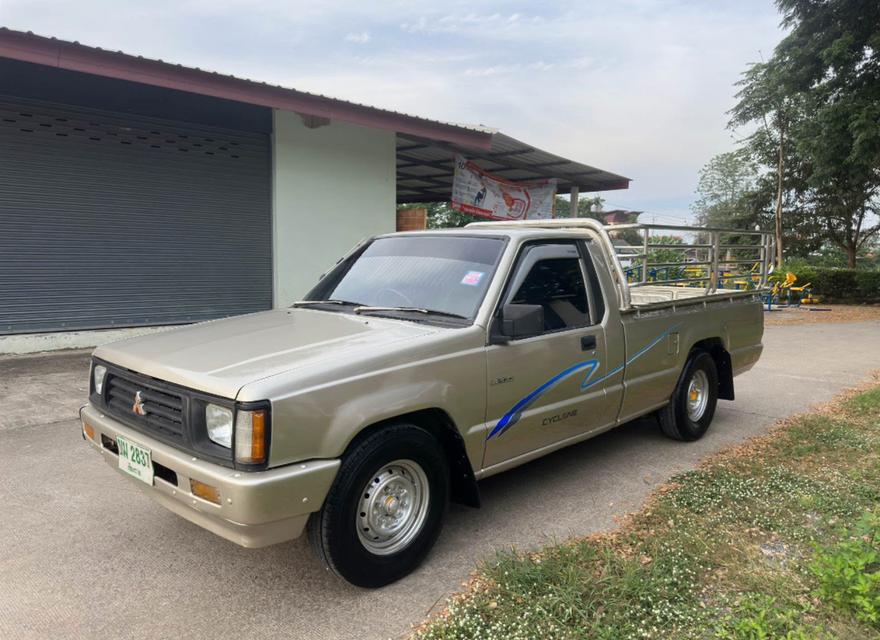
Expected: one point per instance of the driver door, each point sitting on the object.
(546, 388)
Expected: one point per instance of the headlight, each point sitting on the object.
(250, 436)
(219, 422)
(98, 373)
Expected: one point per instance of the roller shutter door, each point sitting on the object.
(110, 220)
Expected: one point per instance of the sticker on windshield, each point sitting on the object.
(472, 278)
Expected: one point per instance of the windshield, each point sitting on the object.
(449, 274)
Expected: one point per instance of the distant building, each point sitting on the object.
(620, 216)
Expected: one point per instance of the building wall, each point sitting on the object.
(332, 186)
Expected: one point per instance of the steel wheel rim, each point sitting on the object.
(393, 507)
(697, 395)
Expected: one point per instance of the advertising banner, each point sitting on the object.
(477, 192)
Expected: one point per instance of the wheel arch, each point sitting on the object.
(463, 484)
(723, 363)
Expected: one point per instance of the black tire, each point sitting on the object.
(333, 531)
(674, 418)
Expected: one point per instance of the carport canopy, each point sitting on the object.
(425, 168)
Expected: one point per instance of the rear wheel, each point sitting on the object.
(692, 406)
(385, 509)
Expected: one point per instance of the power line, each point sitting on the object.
(656, 214)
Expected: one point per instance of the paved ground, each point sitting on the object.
(86, 555)
(823, 313)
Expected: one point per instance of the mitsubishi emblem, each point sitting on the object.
(138, 406)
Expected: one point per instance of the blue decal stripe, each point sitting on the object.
(512, 417)
(586, 385)
(641, 352)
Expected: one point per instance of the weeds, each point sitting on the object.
(848, 572)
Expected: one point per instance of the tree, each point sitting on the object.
(763, 99)
(666, 254)
(724, 184)
(832, 55)
(845, 180)
(441, 215)
(587, 207)
(733, 193)
(817, 100)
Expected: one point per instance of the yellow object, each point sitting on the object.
(205, 491)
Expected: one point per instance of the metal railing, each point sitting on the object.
(710, 258)
(643, 255)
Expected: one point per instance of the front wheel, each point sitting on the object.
(692, 406)
(385, 509)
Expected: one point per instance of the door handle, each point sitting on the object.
(588, 343)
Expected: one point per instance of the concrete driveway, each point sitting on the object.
(86, 555)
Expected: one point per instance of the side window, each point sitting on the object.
(557, 284)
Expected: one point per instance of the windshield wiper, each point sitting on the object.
(427, 312)
(308, 303)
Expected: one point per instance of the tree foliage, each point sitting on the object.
(725, 183)
(441, 215)
(816, 105)
(587, 207)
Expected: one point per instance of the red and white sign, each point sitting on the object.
(480, 193)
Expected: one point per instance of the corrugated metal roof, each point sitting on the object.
(425, 168)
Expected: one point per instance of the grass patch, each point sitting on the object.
(776, 539)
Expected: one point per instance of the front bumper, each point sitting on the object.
(257, 508)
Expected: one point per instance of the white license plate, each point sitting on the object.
(135, 460)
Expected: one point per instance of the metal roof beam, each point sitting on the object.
(512, 163)
(429, 179)
(415, 162)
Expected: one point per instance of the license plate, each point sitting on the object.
(135, 460)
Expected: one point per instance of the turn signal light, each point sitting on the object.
(250, 436)
(89, 430)
(204, 491)
(258, 439)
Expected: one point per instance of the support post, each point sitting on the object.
(573, 207)
(713, 276)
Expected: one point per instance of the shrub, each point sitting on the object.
(868, 283)
(838, 285)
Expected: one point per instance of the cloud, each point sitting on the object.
(358, 38)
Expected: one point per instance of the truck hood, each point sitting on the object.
(221, 356)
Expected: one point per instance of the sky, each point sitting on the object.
(637, 87)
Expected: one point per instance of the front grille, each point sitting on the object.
(163, 409)
(167, 412)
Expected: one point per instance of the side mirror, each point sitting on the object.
(521, 320)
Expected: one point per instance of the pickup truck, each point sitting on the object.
(419, 364)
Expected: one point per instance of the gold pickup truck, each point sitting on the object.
(419, 364)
